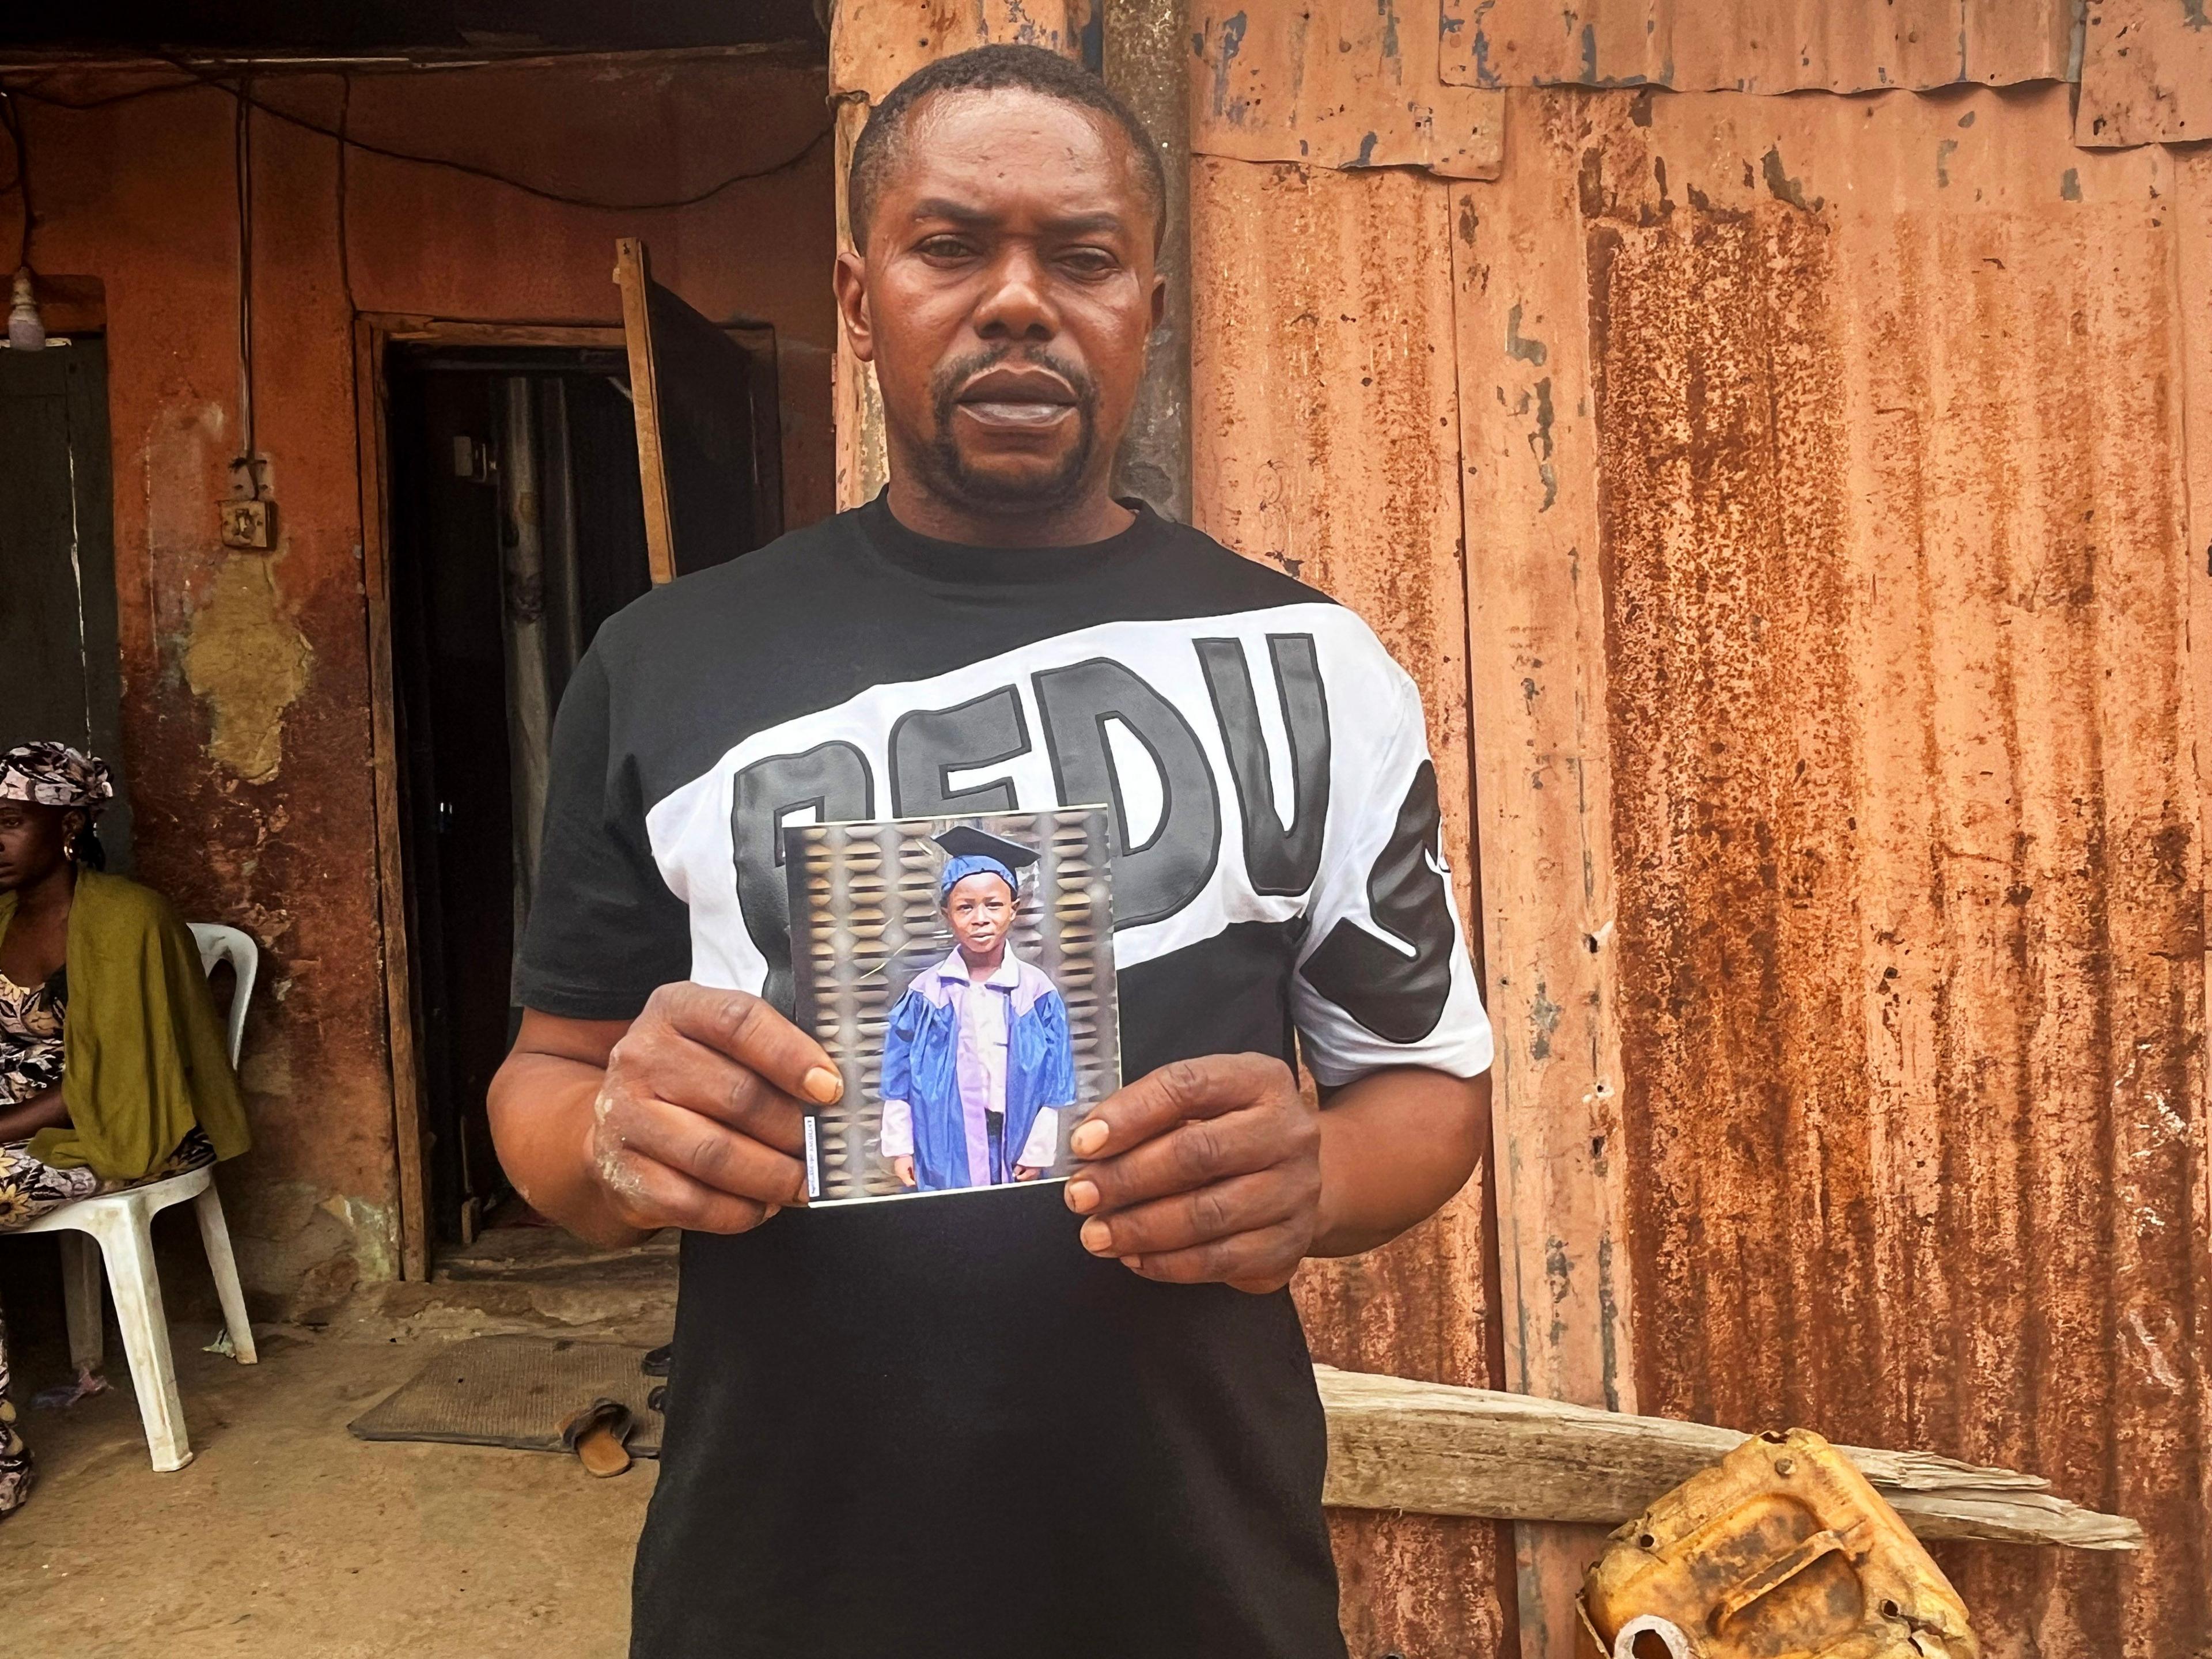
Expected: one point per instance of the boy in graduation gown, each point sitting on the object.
(976, 1059)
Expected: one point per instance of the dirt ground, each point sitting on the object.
(286, 1536)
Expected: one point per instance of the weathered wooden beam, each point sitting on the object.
(1147, 61)
(1431, 1449)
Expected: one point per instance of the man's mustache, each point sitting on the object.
(945, 389)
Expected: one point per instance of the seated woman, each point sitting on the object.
(114, 1071)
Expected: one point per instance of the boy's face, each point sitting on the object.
(980, 910)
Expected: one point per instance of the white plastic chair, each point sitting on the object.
(121, 1225)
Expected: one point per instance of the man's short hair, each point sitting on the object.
(987, 68)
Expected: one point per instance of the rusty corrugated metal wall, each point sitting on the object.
(1755, 45)
(1786, 506)
(1891, 518)
(1325, 412)
(2146, 73)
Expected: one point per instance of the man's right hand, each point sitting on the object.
(700, 1121)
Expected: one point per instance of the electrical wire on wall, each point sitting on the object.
(345, 236)
(18, 185)
(241, 87)
(26, 330)
(243, 91)
(248, 517)
(248, 464)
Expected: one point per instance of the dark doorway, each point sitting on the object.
(59, 677)
(518, 529)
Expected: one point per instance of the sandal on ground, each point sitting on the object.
(18, 1474)
(596, 1435)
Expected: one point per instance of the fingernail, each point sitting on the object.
(1097, 1238)
(1087, 1138)
(1082, 1196)
(823, 1086)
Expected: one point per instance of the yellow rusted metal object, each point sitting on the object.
(1779, 1551)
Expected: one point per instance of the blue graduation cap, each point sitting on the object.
(969, 851)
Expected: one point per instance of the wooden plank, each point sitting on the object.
(457, 332)
(863, 463)
(1543, 793)
(632, 271)
(1432, 1449)
(370, 338)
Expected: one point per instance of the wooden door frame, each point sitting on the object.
(374, 334)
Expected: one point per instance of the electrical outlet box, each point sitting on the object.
(250, 524)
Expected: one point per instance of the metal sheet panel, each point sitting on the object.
(1335, 86)
(1544, 791)
(2146, 73)
(1326, 441)
(1900, 708)
(1756, 45)
(2191, 199)
(876, 43)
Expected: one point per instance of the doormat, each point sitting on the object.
(514, 1391)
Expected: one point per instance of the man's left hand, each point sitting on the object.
(1207, 1169)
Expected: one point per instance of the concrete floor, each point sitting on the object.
(286, 1536)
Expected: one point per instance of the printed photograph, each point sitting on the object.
(960, 972)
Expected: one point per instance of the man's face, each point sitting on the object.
(1006, 297)
(979, 909)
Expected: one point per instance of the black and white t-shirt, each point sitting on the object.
(945, 1428)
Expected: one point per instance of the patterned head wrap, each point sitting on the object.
(54, 775)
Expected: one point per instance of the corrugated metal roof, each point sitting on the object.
(1755, 45)
(1356, 88)
(1325, 438)
(2146, 73)
(1899, 728)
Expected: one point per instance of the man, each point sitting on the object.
(976, 1056)
(1073, 1418)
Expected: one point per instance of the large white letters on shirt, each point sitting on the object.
(1292, 721)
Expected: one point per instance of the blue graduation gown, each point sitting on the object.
(920, 1066)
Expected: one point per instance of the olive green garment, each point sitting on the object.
(143, 1057)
